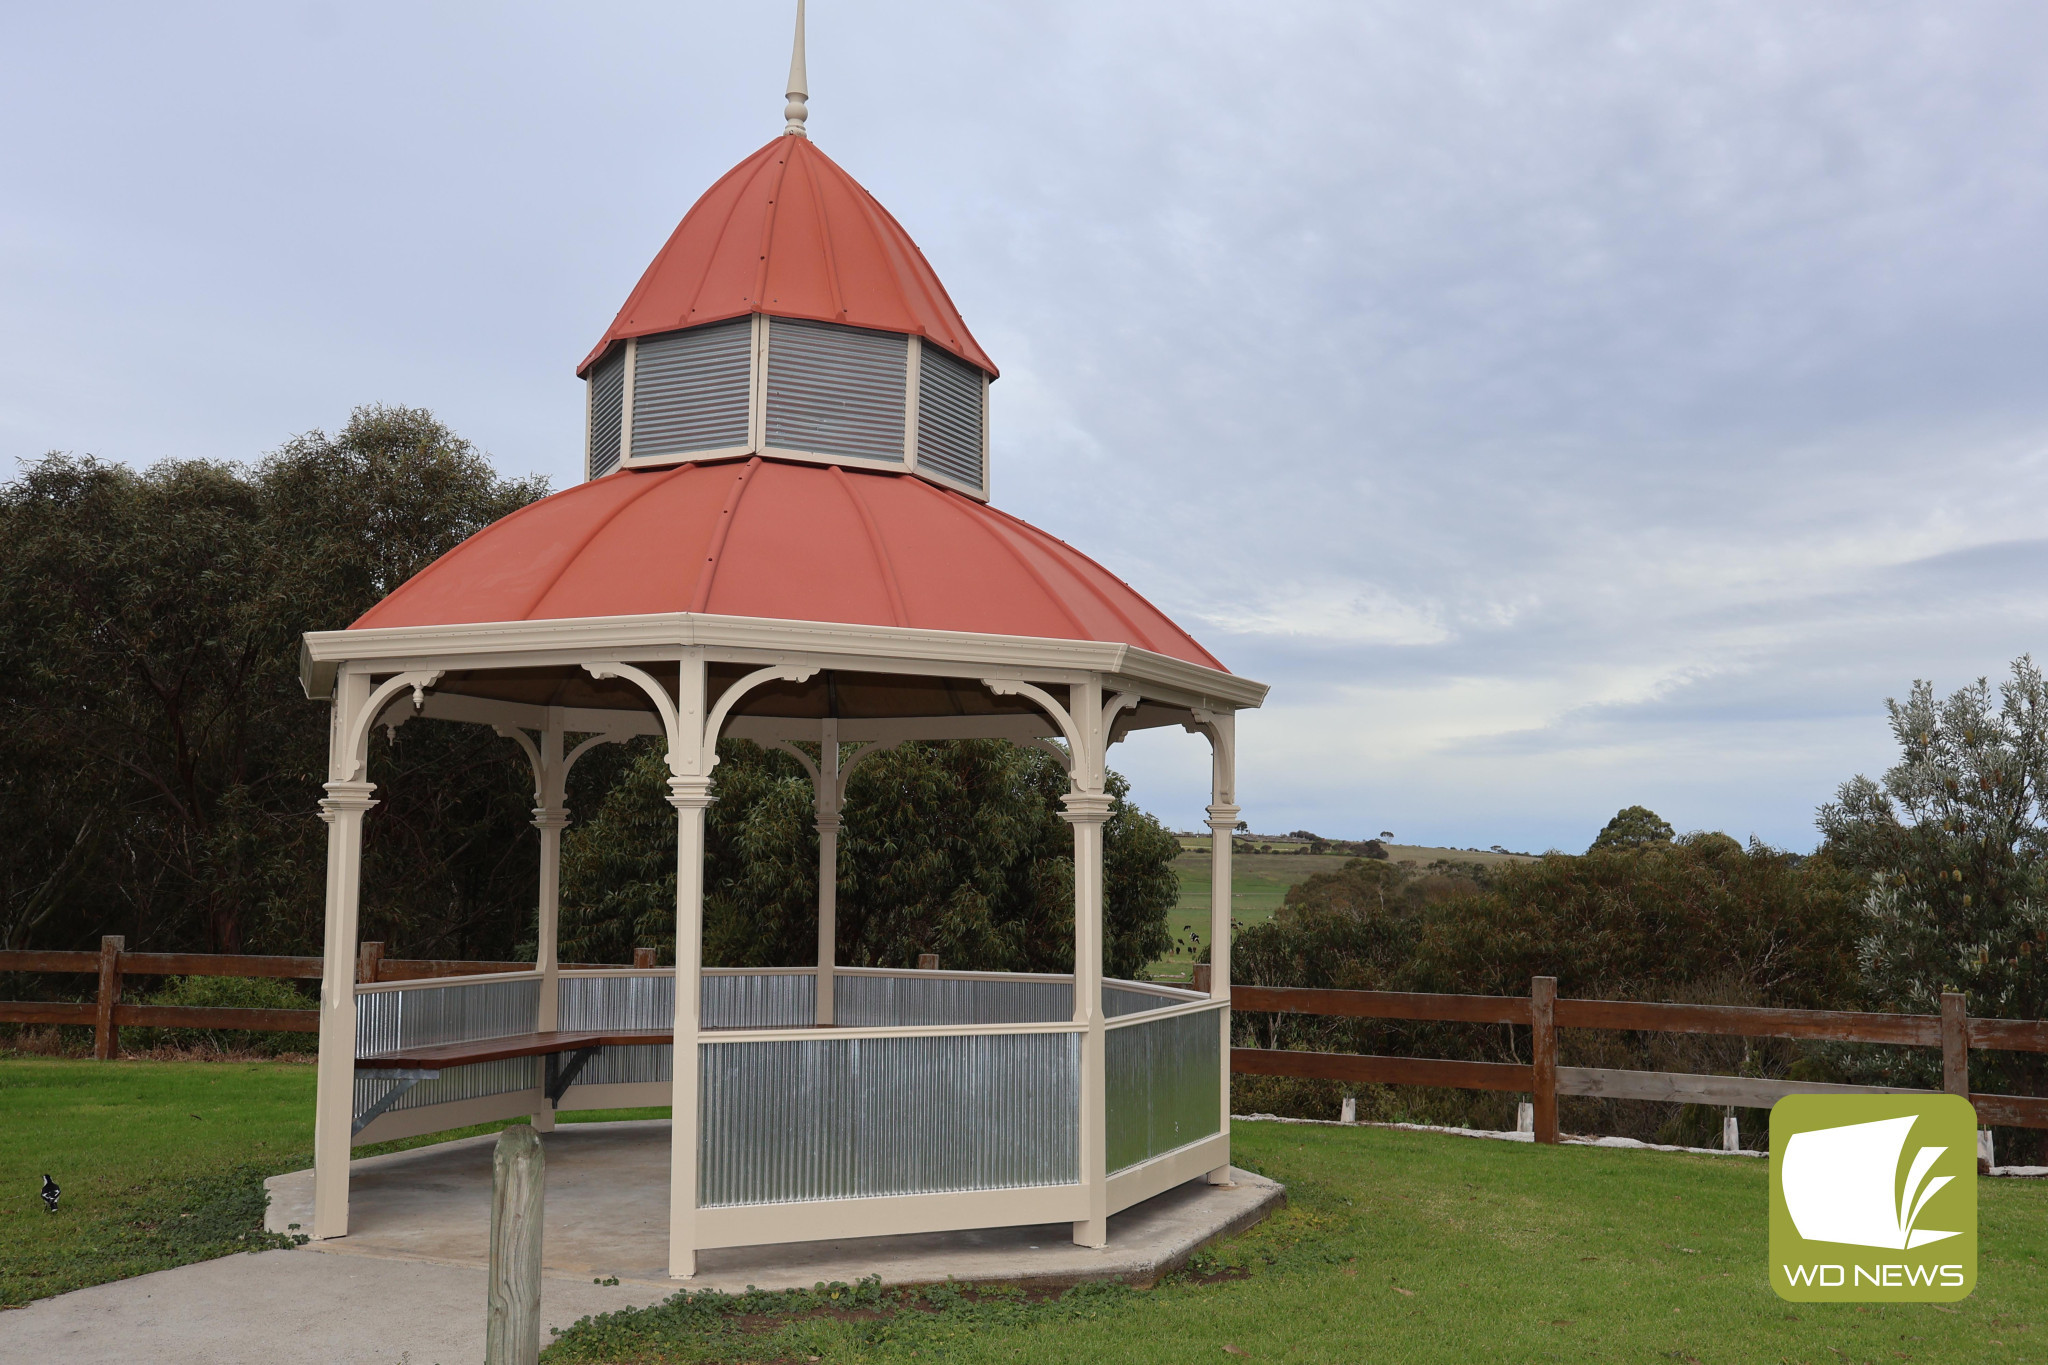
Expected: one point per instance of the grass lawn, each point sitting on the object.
(1395, 1246)
(1413, 1247)
(161, 1163)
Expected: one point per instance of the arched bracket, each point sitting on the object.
(1066, 759)
(715, 722)
(799, 755)
(353, 753)
(1060, 716)
(855, 759)
(664, 706)
(1221, 728)
(540, 778)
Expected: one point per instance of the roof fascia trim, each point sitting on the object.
(653, 634)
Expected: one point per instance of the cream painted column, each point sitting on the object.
(334, 1105)
(550, 817)
(690, 760)
(828, 867)
(1087, 807)
(1222, 826)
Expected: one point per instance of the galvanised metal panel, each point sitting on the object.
(607, 396)
(608, 1002)
(919, 1000)
(691, 389)
(852, 1118)
(949, 417)
(1118, 1001)
(455, 1083)
(418, 1015)
(740, 1000)
(783, 1000)
(1164, 1085)
(620, 1065)
(836, 390)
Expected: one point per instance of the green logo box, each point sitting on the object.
(1873, 1198)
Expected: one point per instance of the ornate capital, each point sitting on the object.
(829, 822)
(1224, 817)
(1085, 808)
(551, 817)
(346, 796)
(689, 793)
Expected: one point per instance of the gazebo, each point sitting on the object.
(785, 536)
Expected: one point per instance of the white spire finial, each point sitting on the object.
(799, 83)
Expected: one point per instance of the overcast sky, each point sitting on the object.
(1561, 406)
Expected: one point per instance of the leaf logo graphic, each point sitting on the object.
(1842, 1185)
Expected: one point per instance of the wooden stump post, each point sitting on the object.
(106, 1039)
(1543, 1054)
(1955, 1045)
(643, 958)
(518, 1184)
(927, 962)
(369, 963)
(1202, 978)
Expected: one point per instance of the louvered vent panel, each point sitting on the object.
(949, 396)
(607, 391)
(690, 389)
(836, 390)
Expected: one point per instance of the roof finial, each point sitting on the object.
(799, 90)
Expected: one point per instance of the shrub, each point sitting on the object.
(224, 992)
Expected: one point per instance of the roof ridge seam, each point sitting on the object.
(768, 222)
(577, 553)
(702, 600)
(867, 520)
(1022, 563)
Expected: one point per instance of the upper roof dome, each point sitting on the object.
(788, 541)
(789, 233)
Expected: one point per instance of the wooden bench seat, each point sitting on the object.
(437, 1056)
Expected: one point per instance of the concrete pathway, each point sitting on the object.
(406, 1287)
(287, 1305)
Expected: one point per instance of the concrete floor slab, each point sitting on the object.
(286, 1305)
(607, 1215)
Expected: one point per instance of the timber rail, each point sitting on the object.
(1543, 1014)
(106, 1014)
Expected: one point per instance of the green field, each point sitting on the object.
(1395, 1245)
(1259, 882)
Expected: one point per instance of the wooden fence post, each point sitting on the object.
(369, 962)
(643, 957)
(1543, 1054)
(1955, 1045)
(927, 962)
(106, 1039)
(1202, 978)
(518, 1184)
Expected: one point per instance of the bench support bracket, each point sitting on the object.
(403, 1080)
(561, 1076)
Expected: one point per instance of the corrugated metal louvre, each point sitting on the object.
(607, 393)
(690, 389)
(862, 1117)
(949, 398)
(836, 390)
(1164, 1086)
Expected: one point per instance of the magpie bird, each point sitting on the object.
(50, 1193)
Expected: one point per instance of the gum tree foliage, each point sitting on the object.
(159, 765)
(1632, 827)
(1953, 842)
(953, 848)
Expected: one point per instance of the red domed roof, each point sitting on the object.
(788, 232)
(789, 541)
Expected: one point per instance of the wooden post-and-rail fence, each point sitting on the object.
(106, 1015)
(1543, 1014)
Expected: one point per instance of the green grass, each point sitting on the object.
(161, 1163)
(1505, 1252)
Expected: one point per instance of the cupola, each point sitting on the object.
(790, 316)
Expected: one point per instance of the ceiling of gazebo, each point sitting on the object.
(789, 233)
(784, 541)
